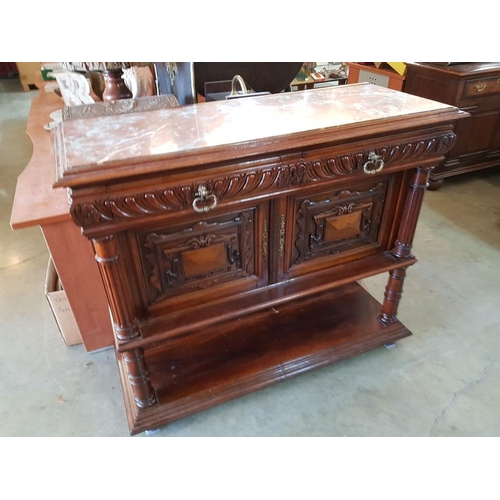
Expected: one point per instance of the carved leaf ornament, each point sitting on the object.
(253, 182)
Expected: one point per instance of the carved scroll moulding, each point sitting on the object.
(353, 163)
(262, 181)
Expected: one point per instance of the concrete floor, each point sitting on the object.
(442, 381)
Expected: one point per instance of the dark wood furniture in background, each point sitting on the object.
(230, 234)
(475, 88)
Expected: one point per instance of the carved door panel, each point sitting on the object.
(203, 257)
(336, 225)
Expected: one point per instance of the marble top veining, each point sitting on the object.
(96, 142)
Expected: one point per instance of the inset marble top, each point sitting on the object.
(231, 129)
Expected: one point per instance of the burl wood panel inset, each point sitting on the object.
(259, 284)
(329, 223)
(199, 256)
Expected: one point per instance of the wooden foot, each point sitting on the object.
(435, 184)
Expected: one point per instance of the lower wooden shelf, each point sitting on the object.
(176, 324)
(236, 357)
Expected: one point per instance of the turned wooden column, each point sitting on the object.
(138, 376)
(124, 322)
(404, 242)
(392, 295)
(418, 184)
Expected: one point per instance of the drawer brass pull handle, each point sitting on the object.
(202, 196)
(374, 164)
(480, 88)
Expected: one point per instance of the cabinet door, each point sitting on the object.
(494, 147)
(339, 225)
(475, 133)
(202, 258)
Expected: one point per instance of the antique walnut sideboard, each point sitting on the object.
(230, 234)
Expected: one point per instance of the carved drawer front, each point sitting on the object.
(200, 255)
(337, 221)
(483, 86)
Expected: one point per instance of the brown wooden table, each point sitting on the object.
(37, 203)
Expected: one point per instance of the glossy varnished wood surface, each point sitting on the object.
(273, 344)
(236, 357)
(36, 202)
(473, 69)
(175, 325)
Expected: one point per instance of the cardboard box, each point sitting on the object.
(27, 73)
(61, 309)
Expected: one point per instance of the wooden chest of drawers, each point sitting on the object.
(474, 88)
(230, 235)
